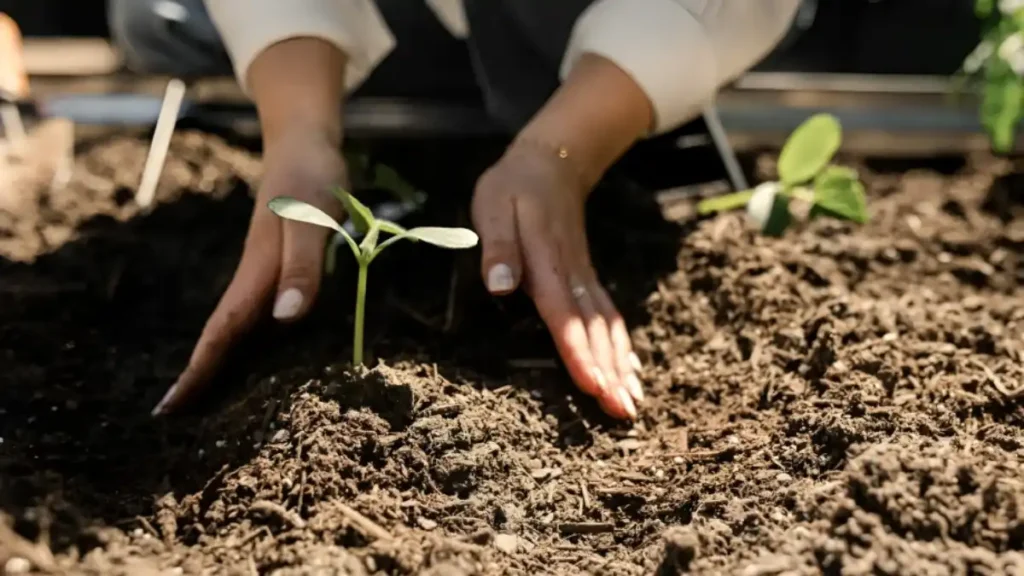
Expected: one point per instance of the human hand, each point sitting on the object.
(280, 257)
(529, 212)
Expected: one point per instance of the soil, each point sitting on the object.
(843, 400)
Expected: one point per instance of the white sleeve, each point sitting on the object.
(355, 26)
(680, 52)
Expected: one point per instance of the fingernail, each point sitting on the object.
(288, 304)
(163, 401)
(499, 278)
(627, 403)
(602, 383)
(635, 361)
(635, 387)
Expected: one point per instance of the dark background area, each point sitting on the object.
(854, 36)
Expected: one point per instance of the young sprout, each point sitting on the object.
(805, 173)
(999, 60)
(370, 247)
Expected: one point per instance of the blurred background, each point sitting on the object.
(838, 36)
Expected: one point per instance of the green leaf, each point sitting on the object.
(299, 211)
(387, 178)
(809, 149)
(724, 202)
(779, 219)
(390, 227)
(455, 238)
(838, 192)
(984, 8)
(361, 216)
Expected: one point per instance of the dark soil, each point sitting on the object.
(843, 400)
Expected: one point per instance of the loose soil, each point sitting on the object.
(842, 400)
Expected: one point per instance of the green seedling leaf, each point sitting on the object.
(299, 211)
(780, 217)
(809, 149)
(724, 203)
(292, 209)
(454, 238)
(387, 178)
(838, 193)
(361, 216)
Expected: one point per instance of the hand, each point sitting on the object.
(280, 257)
(529, 212)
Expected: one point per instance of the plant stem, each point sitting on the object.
(725, 202)
(357, 337)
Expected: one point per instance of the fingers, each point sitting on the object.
(626, 361)
(238, 310)
(617, 398)
(302, 258)
(494, 218)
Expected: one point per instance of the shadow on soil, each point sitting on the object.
(93, 333)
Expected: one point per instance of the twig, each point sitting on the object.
(586, 495)
(148, 527)
(165, 124)
(275, 509)
(997, 383)
(366, 526)
(586, 527)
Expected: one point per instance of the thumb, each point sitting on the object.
(302, 259)
(494, 218)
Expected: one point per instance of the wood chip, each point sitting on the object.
(586, 527)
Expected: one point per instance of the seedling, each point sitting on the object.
(805, 173)
(370, 247)
(999, 61)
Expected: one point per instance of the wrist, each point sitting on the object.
(597, 114)
(298, 85)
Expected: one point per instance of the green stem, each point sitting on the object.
(801, 193)
(357, 338)
(725, 202)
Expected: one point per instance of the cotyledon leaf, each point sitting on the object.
(454, 238)
(809, 149)
(299, 211)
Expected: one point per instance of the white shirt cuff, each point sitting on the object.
(356, 27)
(680, 52)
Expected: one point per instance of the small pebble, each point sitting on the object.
(507, 543)
(280, 436)
(426, 523)
(678, 460)
(201, 452)
(220, 443)
(17, 565)
(659, 474)
(137, 532)
(784, 478)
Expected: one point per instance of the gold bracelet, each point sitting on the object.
(559, 150)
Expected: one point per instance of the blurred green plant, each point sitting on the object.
(370, 247)
(806, 174)
(998, 62)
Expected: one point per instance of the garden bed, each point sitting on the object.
(841, 400)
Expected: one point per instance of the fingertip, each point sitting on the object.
(501, 279)
(166, 403)
(289, 304)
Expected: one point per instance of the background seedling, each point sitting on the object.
(370, 247)
(998, 61)
(805, 173)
